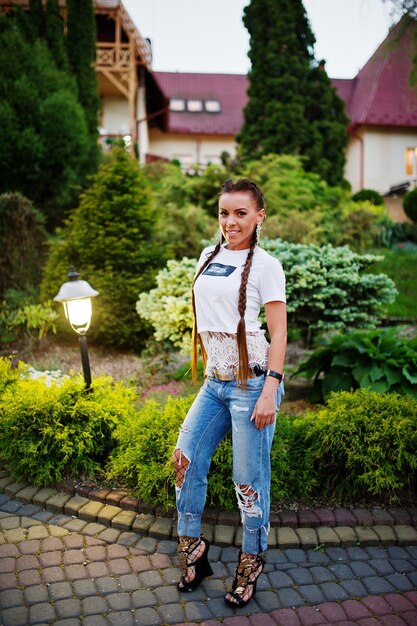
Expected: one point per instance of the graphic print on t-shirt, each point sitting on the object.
(218, 269)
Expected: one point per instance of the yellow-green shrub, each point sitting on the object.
(48, 433)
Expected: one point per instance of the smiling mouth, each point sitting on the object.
(232, 232)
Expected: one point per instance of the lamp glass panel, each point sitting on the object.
(79, 311)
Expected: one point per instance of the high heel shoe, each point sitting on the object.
(249, 568)
(201, 565)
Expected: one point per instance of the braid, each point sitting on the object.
(195, 339)
(243, 372)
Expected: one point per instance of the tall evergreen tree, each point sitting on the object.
(81, 48)
(36, 18)
(282, 114)
(54, 34)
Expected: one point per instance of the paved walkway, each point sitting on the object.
(57, 569)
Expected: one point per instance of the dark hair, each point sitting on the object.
(246, 186)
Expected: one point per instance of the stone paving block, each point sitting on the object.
(326, 517)
(288, 518)
(400, 515)
(196, 610)
(75, 525)
(143, 597)
(43, 612)
(301, 576)
(57, 502)
(287, 538)
(151, 579)
(43, 495)
(333, 592)
(12, 506)
(267, 601)
(17, 535)
(307, 519)
(366, 536)
(410, 618)
(16, 616)
(377, 585)
(92, 529)
(382, 517)
(406, 535)
(171, 613)
(308, 537)
(90, 511)
(60, 591)
(290, 598)
(13, 597)
(121, 618)
(354, 588)
(321, 574)
(74, 504)
(119, 601)
(286, 617)
(93, 605)
(312, 594)
(123, 520)
(107, 585)
(28, 578)
(129, 539)
(12, 488)
(344, 517)
(4, 481)
(142, 522)
(161, 528)
(346, 535)
(70, 607)
(9, 523)
(107, 514)
(361, 569)
(26, 494)
(145, 617)
(35, 595)
(385, 534)
(327, 537)
(400, 582)
(224, 535)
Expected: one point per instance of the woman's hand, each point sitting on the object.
(265, 408)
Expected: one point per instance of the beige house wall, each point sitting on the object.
(115, 115)
(379, 162)
(190, 149)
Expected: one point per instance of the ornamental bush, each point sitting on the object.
(109, 240)
(368, 195)
(381, 360)
(363, 443)
(410, 205)
(48, 433)
(327, 288)
(146, 442)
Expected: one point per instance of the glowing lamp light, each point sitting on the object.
(75, 296)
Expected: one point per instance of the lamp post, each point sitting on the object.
(76, 296)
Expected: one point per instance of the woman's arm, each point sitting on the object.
(276, 319)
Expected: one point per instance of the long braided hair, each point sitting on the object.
(247, 186)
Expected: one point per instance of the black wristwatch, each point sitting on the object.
(277, 375)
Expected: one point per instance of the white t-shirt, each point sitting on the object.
(217, 289)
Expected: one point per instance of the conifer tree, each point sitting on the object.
(54, 34)
(282, 115)
(81, 48)
(36, 18)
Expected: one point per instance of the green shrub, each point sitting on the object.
(109, 240)
(363, 443)
(22, 243)
(48, 433)
(381, 360)
(9, 375)
(410, 205)
(368, 195)
(142, 458)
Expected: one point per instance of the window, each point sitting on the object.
(212, 106)
(411, 162)
(194, 106)
(177, 104)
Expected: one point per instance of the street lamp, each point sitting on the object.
(76, 296)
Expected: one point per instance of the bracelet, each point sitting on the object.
(277, 375)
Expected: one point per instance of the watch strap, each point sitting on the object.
(274, 374)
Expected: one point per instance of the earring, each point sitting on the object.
(258, 233)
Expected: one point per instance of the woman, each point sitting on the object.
(242, 391)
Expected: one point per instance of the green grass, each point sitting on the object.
(400, 265)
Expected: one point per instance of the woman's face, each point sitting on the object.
(238, 217)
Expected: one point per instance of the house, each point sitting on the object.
(131, 100)
(382, 106)
(206, 112)
(205, 115)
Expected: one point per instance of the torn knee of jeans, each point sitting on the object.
(248, 500)
(181, 463)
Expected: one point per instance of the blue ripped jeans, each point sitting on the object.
(221, 407)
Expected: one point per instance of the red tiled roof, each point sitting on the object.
(380, 94)
(228, 89)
